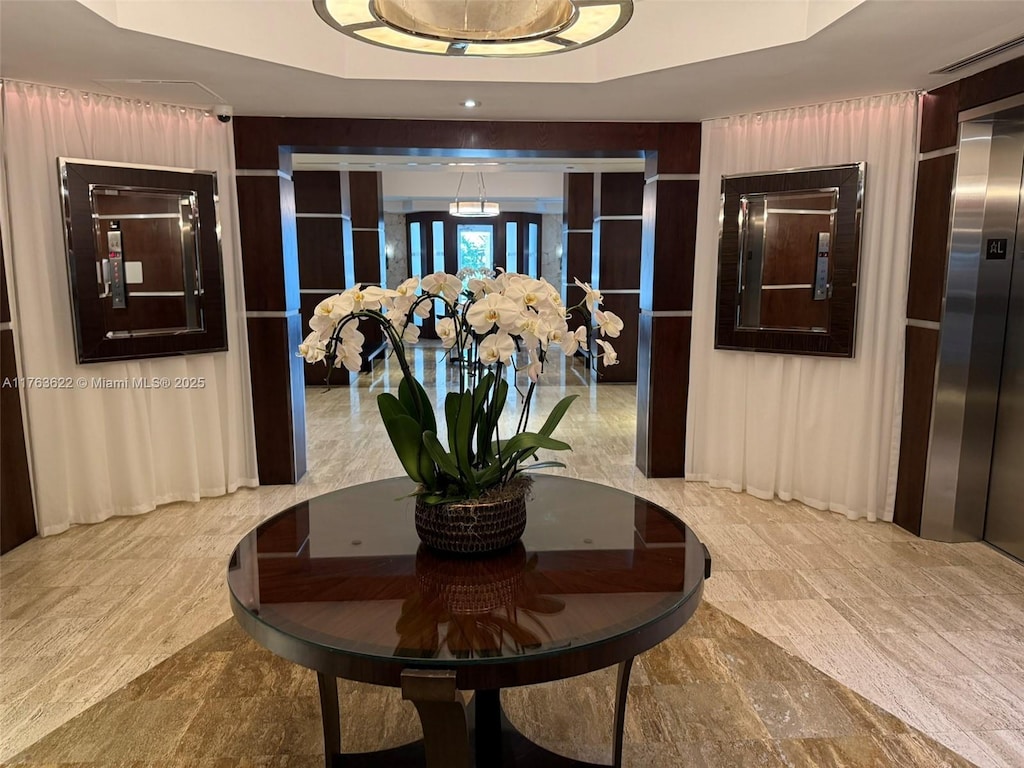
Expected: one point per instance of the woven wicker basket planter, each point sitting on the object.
(475, 527)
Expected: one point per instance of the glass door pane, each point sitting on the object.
(511, 246)
(437, 229)
(531, 249)
(476, 251)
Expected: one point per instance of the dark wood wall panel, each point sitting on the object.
(365, 197)
(617, 250)
(17, 509)
(278, 400)
(616, 260)
(317, 191)
(269, 248)
(626, 306)
(993, 84)
(793, 308)
(5, 304)
(366, 256)
(578, 201)
(361, 200)
(577, 263)
(619, 194)
(155, 243)
(921, 356)
(939, 110)
(17, 512)
(668, 247)
(794, 243)
(145, 312)
(930, 238)
(662, 389)
(577, 234)
(321, 253)
(257, 139)
(677, 150)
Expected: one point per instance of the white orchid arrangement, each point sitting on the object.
(508, 320)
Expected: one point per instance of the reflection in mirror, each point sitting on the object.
(788, 256)
(147, 266)
(785, 281)
(144, 260)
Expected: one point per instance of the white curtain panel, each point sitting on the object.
(824, 431)
(95, 452)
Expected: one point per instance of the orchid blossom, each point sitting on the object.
(509, 320)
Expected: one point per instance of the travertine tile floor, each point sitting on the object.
(932, 632)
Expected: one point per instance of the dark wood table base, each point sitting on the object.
(477, 735)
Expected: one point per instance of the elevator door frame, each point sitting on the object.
(1004, 515)
(990, 158)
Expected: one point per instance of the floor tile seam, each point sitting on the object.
(883, 640)
(977, 702)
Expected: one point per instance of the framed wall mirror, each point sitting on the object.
(144, 260)
(788, 256)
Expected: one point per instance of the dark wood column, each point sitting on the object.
(618, 228)
(929, 252)
(322, 265)
(577, 234)
(17, 511)
(935, 169)
(666, 300)
(266, 212)
(363, 208)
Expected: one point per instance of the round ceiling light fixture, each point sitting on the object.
(473, 209)
(497, 28)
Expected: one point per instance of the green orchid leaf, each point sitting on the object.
(451, 415)
(426, 464)
(405, 436)
(489, 476)
(552, 420)
(490, 421)
(390, 406)
(428, 422)
(405, 396)
(441, 457)
(480, 418)
(534, 440)
(523, 446)
(480, 393)
(556, 415)
(500, 396)
(416, 403)
(460, 439)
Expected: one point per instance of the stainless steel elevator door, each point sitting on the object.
(1004, 519)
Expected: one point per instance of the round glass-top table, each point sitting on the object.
(341, 584)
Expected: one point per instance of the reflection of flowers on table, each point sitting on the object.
(474, 608)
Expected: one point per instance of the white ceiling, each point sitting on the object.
(676, 60)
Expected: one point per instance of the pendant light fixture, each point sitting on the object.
(478, 208)
(492, 28)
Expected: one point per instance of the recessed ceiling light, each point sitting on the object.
(470, 103)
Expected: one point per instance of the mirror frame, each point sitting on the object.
(92, 344)
(838, 340)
